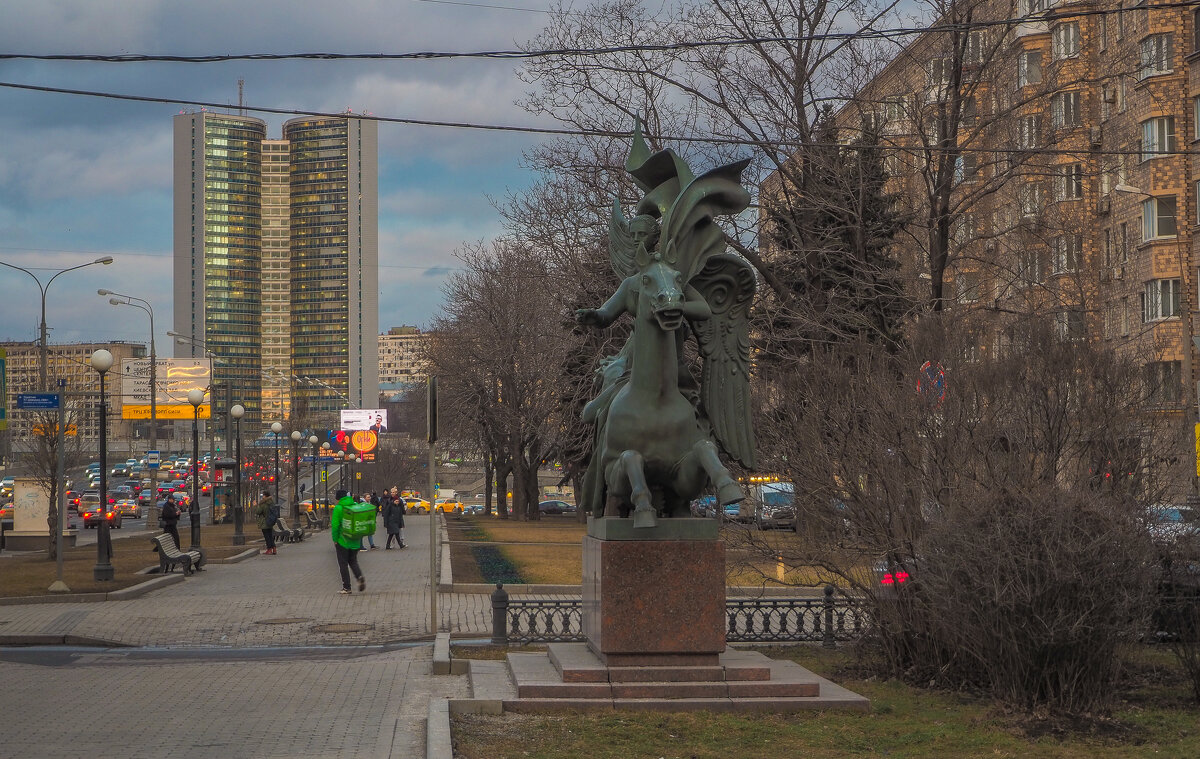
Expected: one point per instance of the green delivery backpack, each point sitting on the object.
(358, 520)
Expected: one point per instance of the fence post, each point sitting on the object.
(500, 616)
(828, 640)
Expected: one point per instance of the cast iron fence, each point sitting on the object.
(826, 620)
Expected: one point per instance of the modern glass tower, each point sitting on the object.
(276, 260)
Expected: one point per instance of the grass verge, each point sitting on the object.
(1154, 719)
(31, 574)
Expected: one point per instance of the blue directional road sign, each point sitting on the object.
(37, 401)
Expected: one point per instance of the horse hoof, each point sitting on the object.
(643, 518)
(730, 492)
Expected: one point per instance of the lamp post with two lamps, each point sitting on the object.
(312, 440)
(295, 510)
(237, 411)
(102, 361)
(195, 397)
(325, 481)
(276, 428)
(42, 345)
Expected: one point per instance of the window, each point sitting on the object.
(1031, 132)
(966, 167)
(1196, 118)
(1070, 325)
(1069, 184)
(938, 71)
(1067, 252)
(1163, 381)
(893, 109)
(1103, 32)
(1196, 31)
(1123, 242)
(1029, 68)
(973, 54)
(1160, 299)
(1158, 137)
(969, 110)
(1157, 55)
(1158, 217)
(1064, 40)
(1031, 199)
(968, 286)
(1031, 267)
(1064, 107)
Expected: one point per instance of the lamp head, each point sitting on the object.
(324, 446)
(312, 439)
(101, 361)
(114, 301)
(276, 427)
(296, 435)
(237, 411)
(195, 396)
(102, 291)
(106, 260)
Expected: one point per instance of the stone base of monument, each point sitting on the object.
(654, 619)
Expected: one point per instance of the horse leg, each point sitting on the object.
(728, 491)
(626, 476)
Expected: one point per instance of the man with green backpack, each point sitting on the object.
(349, 523)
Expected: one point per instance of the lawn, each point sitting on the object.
(31, 574)
(1154, 719)
(547, 552)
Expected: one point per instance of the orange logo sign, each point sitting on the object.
(364, 441)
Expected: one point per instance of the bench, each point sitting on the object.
(287, 533)
(314, 524)
(170, 557)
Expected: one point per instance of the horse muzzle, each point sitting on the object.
(669, 319)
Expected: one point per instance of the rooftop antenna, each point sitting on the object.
(241, 110)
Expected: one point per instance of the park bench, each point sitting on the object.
(288, 533)
(170, 557)
(314, 524)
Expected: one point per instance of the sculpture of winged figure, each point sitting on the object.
(657, 433)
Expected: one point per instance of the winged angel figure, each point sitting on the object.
(657, 433)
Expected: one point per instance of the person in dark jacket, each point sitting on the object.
(169, 516)
(264, 516)
(393, 518)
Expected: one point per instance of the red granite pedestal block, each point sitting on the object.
(654, 602)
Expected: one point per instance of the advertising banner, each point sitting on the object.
(374, 419)
(174, 377)
(31, 505)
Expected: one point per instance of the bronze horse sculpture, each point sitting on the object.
(658, 439)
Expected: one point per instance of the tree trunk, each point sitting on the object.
(502, 471)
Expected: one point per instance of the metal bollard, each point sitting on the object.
(500, 616)
(828, 640)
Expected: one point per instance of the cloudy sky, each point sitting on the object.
(82, 177)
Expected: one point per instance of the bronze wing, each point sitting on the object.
(621, 249)
(727, 282)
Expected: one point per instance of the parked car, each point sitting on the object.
(129, 507)
(1170, 523)
(6, 516)
(555, 507)
(94, 515)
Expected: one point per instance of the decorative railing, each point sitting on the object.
(828, 620)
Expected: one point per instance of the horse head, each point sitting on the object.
(660, 289)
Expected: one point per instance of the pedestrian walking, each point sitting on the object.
(374, 501)
(393, 518)
(266, 516)
(168, 517)
(347, 548)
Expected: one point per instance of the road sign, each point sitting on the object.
(152, 460)
(323, 476)
(38, 401)
(358, 475)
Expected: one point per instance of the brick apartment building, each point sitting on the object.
(1060, 137)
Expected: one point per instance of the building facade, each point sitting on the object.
(70, 362)
(402, 356)
(1049, 141)
(276, 259)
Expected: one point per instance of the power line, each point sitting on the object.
(1052, 15)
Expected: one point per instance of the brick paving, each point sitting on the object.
(261, 658)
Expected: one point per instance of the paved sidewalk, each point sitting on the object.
(290, 599)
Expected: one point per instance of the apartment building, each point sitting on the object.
(1053, 141)
(402, 356)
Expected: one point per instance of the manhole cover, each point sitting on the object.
(342, 627)
(283, 621)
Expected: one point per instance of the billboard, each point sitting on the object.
(174, 377)
(355, 443)
(374, 419)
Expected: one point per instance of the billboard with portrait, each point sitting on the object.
(374, 419)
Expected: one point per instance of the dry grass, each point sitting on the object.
(550, 529)
(905, 722)
(32, 574)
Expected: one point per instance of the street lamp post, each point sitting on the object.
(239, 539)
(145, 306)
(102, 361)
(195, 397)
(312, 440)
(276, 428)
(42, 348)
(296, 435)
(325, 481)
(356, 475)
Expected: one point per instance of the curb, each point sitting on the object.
(437, 730)
(41, 639)
(236, 558)
(124, 594)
